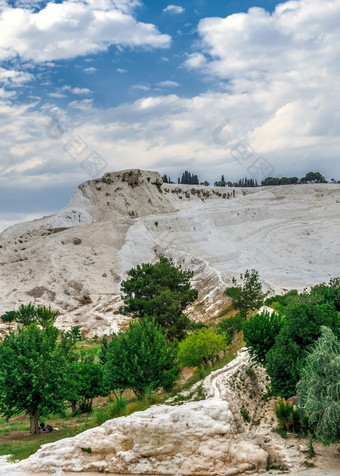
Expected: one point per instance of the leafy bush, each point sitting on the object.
(260, 333)
(302, 327)
(229, 327)
(200, 347)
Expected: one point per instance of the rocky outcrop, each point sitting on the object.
(195, 438)
(190, 439)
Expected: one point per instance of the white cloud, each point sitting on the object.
(9, 76)
(76, 90)
(91, 69)
(121, 70)
(279, 94)
(140, 87)
(57, 95)
(81, 90)
(73, 28)
(175, 9)
(285, 65)
(168, 84)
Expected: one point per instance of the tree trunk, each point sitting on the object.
(34, 427)
(74, 407)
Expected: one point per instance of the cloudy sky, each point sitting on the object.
(244, 88)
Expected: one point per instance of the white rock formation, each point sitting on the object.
(194, 438)
(76, 260)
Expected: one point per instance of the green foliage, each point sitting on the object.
(200, 347)
(310, 446)
(229, 327)
(282, 432)
(193, 326)
(260, 333)
(327, 293)
(309, 464)
(319, 388)
(158, 184)
(29, 314)
(313, 177)
(160, 290)
(302, 327)
(280, 302)
(245, 414)
(248, 296)
(141, 359)
(86, 450)
(85, 381)
(114, 409)
(32, 373)
(8, 316)
(287, 414)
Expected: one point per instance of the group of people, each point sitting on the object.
(47, 428)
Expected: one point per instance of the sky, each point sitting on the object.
(240, 88)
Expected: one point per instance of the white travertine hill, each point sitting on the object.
(75, 260)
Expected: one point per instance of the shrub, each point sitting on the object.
(287, 414)
(229, 327)
(260, 333)
(245, 414)
(200, 347)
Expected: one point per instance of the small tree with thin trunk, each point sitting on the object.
(140, 359)
(32, 373)
(248, 296)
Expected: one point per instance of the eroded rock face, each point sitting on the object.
(193, 438)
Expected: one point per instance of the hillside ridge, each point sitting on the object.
(76, 259)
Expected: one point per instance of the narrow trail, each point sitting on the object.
(214, 384)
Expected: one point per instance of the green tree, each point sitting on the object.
(313, 177)
(229, 327)
(327, 293)
(8, 317)
(160, 290)
(200, 347)
(318, 391)
(29, 314)
(140, 359)
(32, 373)
(302, 327)
(260, 333)
(248, 296)
(85, 382)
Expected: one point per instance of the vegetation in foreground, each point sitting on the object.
(43, 371)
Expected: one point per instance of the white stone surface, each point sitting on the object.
(288, 233)
(189, 439)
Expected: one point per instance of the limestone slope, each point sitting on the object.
(76, 260)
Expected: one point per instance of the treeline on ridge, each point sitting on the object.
(189, 178)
